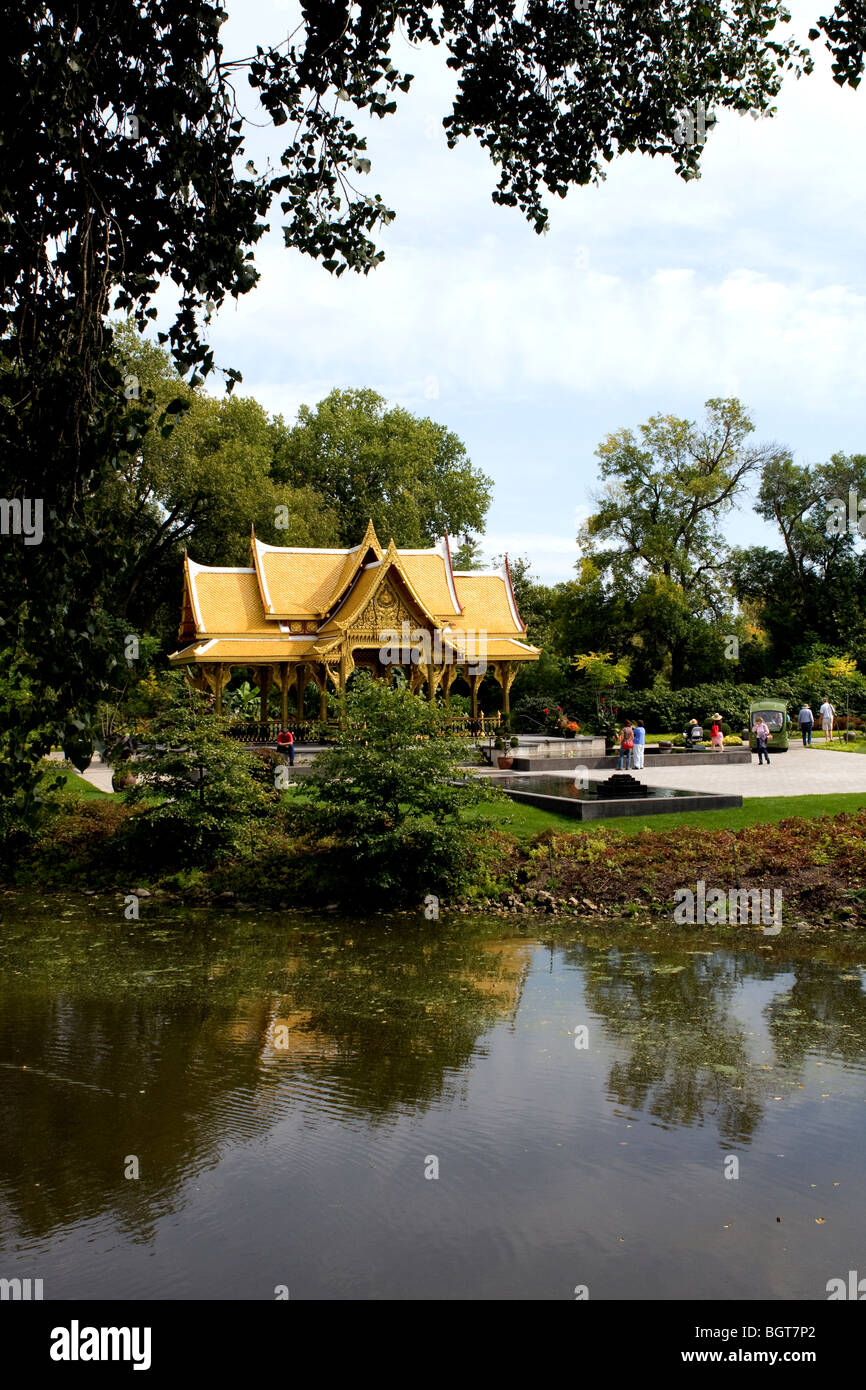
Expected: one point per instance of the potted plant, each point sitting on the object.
(119, 753)
(504, 758)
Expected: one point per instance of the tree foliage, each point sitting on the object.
(123, 169)
(199, 789)
(388, 800)
(410, 475)
(814, 589)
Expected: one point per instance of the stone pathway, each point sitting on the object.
(98, 774)
(798, 772)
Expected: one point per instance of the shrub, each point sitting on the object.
(536, 714)
(387, 803)
(200, 787)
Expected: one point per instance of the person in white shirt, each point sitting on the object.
(639, 744)
(827, 712)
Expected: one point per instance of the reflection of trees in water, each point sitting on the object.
(403, 1013)
(824, 1010)
(687, 1060)
(168, 1038)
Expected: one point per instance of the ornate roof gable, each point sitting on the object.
(381, 596)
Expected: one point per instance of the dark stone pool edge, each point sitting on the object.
(622, 806)
(728, 755)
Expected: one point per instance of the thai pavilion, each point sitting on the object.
(300, 615)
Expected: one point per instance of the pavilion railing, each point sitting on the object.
(463, 725)
(253, 731)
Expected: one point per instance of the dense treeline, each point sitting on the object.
(663, 595)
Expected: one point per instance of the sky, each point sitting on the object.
(648, 296)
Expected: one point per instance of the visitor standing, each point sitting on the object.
(626, 745)
(827, 712)
(717, 738)
(761, 730)
(639, 744)
(806, 720)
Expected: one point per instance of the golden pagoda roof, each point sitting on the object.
(354, 559)
(295, 602)
(226, 600)
(296, 582)
(432, 578)
(488, 602)
(252, 651)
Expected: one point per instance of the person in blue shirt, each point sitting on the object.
(806, 720)
(639, 744)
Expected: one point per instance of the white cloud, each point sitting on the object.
(648, 294)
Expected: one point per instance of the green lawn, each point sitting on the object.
(74, 785)
(837, 746)
(524, 821)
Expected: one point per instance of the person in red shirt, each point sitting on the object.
(286, 744)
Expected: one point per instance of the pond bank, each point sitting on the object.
(814, 871)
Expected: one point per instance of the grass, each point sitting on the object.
(73, 784)
(838, 746)
(524, 821)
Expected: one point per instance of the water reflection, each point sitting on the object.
(188, 1041)
(111, 1034)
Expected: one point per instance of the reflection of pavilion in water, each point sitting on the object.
(99, 1070)
(291, 1034)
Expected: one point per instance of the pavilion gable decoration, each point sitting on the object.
(297, 615)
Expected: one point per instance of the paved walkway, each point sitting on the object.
(798, 772)
(98, 774)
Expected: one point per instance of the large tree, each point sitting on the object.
(410, 475)
(123, 167)
(813, 589)
(200, 488)
(656, 536)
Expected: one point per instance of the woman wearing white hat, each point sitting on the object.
(717, 738)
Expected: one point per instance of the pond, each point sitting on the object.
(619, 794)
(205, 1106)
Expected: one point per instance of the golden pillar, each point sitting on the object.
(449, 675)
(301, 685)
(217, 678)
(505, 671)
(474, 686)
(264, 676)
